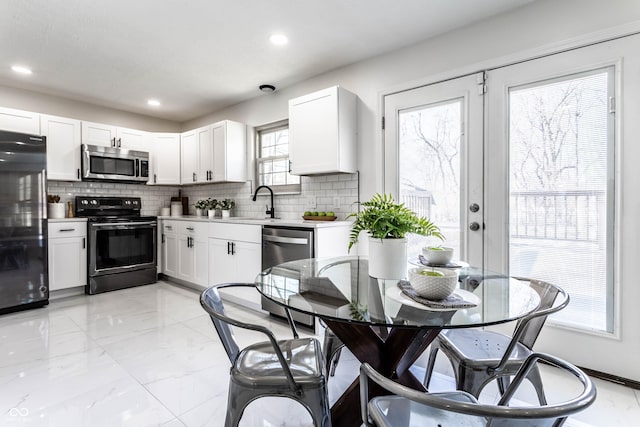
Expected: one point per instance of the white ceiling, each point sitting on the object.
(198, 56)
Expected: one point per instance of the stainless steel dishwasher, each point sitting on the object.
(282, 244)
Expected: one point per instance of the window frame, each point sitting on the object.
(280, 188)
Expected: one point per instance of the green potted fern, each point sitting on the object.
(387, 224)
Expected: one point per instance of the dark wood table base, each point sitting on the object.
(391, 352)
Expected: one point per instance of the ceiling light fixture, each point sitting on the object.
(279, 39)
(153, 102)
(21, 70)
(267, 88)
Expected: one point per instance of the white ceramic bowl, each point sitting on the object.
(439, 256)
(433, 287)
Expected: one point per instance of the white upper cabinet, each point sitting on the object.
(19, 121)
(113, 136)
(196, 155)
(205, 154)
(165, 159)
(189, 157)
(63, 147)
(99, 134)
(322, 132)
(229, 151)
(132, 139)
(215, 153)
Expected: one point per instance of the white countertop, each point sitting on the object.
(67, 219)
(262, 221)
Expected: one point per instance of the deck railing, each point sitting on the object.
(558, 215)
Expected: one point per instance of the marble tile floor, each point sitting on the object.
(149, 356)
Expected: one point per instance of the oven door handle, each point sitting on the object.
(122, 225)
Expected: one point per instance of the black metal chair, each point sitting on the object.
(479, 356)
(412, 408)
(291, 368)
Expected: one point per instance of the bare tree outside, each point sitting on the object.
(429, 156)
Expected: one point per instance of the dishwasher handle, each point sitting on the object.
(290, 240)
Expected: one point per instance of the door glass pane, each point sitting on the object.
(429, 146)
(560, 145)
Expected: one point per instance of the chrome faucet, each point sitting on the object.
(272, 211)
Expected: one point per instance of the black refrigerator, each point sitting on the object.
(24, 280)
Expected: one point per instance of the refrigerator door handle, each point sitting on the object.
(43, 174)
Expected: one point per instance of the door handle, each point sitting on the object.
(291, 240)
(474, 226)
(474, 207)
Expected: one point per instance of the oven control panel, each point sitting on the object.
(98, 206)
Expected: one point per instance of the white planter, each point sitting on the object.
(55, 210)
(211, 213)
(388, 258)
(226, 213)
(199, 212)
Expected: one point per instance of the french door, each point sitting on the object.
(433, 160)
(546, 159)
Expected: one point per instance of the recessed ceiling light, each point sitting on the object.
(21, 70)
(279, 39)
(153, 102)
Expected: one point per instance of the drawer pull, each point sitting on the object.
(190, 228)
(67, 229)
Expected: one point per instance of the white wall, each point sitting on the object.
(56, 106)
(493, 42)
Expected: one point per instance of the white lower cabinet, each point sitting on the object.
(67, 247)
(185, 253)
(235, 256)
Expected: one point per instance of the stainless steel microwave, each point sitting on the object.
(114, 164)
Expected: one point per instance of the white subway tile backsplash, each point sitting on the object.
(322, 189)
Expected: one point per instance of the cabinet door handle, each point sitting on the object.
(194, 177)
(289, 166)
(228, 248)
(84, 243)
(67, 229)
(155, 178)
(119, 142)
(162, 240)
(190, 228)
(78, 173)
(168, 227)
(233, 248)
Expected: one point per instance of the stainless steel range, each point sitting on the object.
(122, 244)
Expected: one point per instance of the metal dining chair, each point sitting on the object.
(413, 408)
(480, 356)
(292, 368)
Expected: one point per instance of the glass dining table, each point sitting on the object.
(379, 323)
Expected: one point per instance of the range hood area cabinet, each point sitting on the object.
(214, 153)
(322, 132)
(113, 136)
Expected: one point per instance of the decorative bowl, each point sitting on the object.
(438, 255)
(433, 287)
